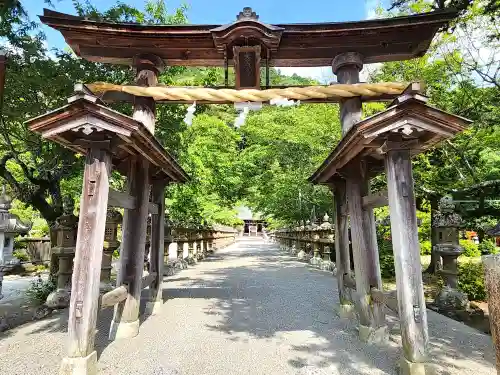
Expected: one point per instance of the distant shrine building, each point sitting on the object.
(254, 223)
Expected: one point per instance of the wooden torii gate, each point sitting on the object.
(111, 141)
(246, 44)
(386, 142)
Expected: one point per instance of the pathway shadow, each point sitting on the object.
(271, 296)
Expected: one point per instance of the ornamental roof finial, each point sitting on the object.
(247, 14)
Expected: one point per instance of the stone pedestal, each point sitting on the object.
(446, 224)
(111, 243)
(63, 238)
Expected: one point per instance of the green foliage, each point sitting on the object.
(282, 148)
(22, 256)
(470, 249)
(471, 280)
(386, 257)
(425, 247)
(39, 290)
(487, 247)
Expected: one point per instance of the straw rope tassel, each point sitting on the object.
(252, 95)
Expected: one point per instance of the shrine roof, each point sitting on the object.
(85, 118)
(416, 123)
(308, 44)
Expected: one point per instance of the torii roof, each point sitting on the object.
(409, 117)
(308, 44)
(85, 117)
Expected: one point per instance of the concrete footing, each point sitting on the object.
(372, 335)
(79, 365)
(123, 330)
(412, 368)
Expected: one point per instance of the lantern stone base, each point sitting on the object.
(315, 261)
(302, 255)
(153, 308)
(79, 365)
(169, 270)
(412, 368)
(327, 265)
(123, 330)
(372, 335)
(450, 299)
(58, 299)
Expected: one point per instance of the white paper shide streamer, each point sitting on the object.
(188, 119)
(243, 109)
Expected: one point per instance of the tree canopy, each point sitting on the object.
(265, 163)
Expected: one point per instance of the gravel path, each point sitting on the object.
(246, 310)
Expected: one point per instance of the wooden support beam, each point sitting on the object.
(124, 200)
(114, 296)
(82, 358)
(121, 199)
(148, 279)
(389, 299)
(375, 200)
(125, 322)
(371, 316)
(153, 208)
(404, 232)
(491, 265)
(370, 232)
(342, 255)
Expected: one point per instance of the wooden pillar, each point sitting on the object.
(82, 358)
(157, 248)
(365, 252)
(491, 265)
(147, 69)
(125, 322)
(371, 315)
(346, 67)
(404, 233)
(342, 255)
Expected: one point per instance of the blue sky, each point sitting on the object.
(224, 11)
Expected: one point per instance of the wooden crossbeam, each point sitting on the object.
(375, 200)
(124, 200)
(121, 199)
(114, 296)
(147, 280)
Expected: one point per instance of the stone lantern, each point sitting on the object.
(314, 238)
(63, 239)
(10, 226)
(447, 223)
(327, 227)
(111, 243)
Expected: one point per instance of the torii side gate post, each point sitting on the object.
(111, 140)
(246, 44)
(386, 141)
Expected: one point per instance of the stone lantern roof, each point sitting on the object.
(10, 223)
